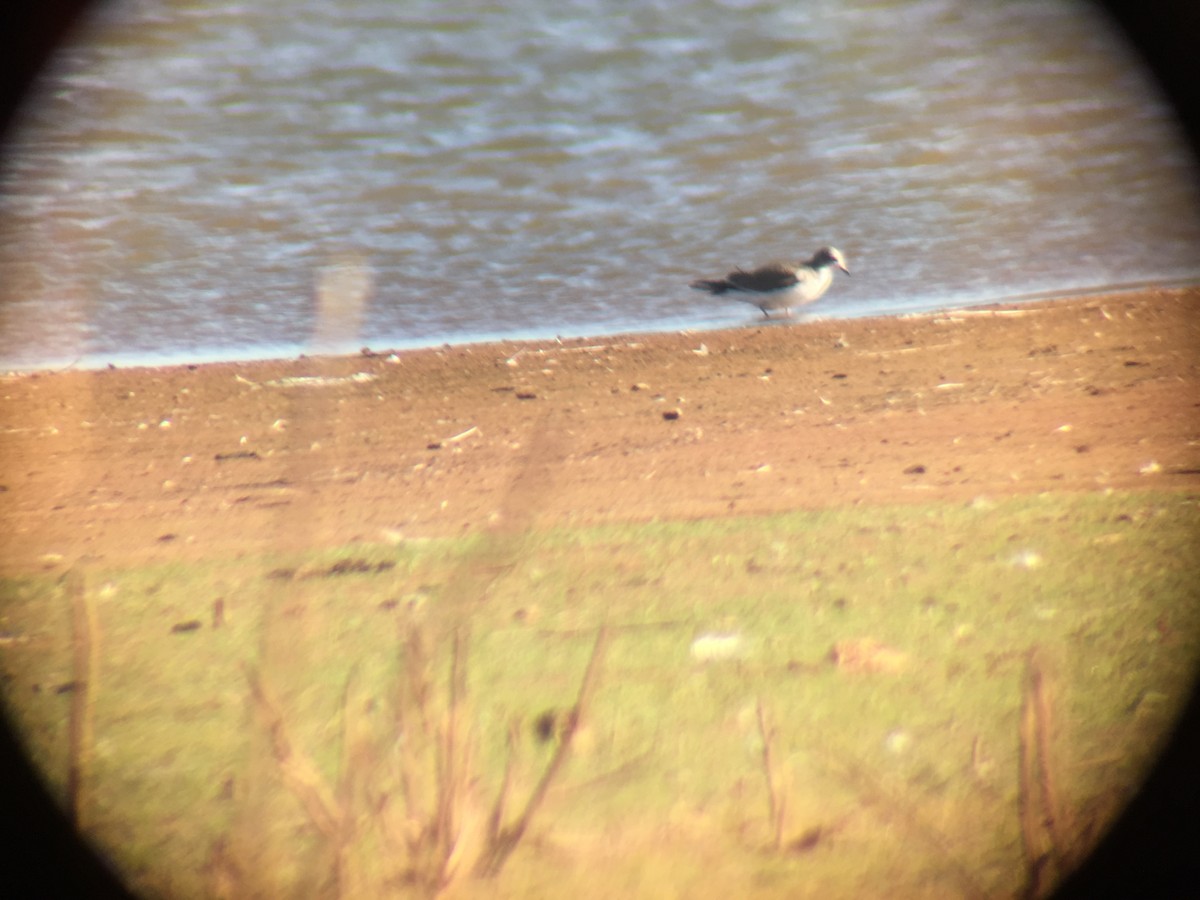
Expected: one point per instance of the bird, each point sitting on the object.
(778, 285)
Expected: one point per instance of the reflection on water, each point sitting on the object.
(187, 173)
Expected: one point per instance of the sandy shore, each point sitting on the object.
(129, 465)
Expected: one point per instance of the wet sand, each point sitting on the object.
(120, 466)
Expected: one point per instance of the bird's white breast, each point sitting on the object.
(813, 284)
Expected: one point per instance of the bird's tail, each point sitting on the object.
(713, 287)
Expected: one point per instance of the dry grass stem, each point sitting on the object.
(84, 663)
(298, 772)
(775, 799)
(899, 811)
(1043, 820)
(506, 839)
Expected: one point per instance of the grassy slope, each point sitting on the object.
(905, 778)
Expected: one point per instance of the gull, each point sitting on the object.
(777, 285)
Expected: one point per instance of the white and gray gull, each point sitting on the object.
(779, 286)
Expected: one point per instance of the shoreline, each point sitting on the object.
(278, 352)
(144, 464)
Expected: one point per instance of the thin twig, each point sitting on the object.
(299, 773)
(452, 757)
(1041, 814)
(1043, 706)
(498, 851)
(496, 817)
(412, 736)
(1033, 839)
(460, 436)
(350, 745)
(775, 797)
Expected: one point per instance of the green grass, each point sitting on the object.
(668, 771)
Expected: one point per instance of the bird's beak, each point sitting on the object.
(842, 266)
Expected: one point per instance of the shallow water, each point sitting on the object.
(203, 180)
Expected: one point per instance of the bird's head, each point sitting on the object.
(829, 256)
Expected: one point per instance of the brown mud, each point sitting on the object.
(119, 466)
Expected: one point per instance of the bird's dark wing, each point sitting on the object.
(771, 277)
